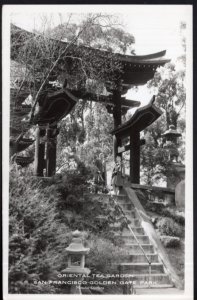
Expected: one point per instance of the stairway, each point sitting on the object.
(136, 263)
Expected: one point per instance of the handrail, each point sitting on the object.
(141, 212)
(129, 227)
(164, 263)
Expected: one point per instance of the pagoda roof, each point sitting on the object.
(136, 69)
(142, 118)
(171, 132)
(54, 106)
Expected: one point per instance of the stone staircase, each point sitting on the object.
(136, 263)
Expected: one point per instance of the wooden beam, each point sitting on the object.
(39, 163)
(106, 99)
(129, 103)
(117, 120)
(128, 147)
(51, 152)
(135, 158)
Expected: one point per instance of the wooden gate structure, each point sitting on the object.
(53, 105)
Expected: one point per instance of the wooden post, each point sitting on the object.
(51, 151)
(39, 152)
(117, 119)
(135, 157)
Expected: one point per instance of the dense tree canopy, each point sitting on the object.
(170, 88)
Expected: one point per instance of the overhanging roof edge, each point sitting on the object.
(124, 126)
(153, 58)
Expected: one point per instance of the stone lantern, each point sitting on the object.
(76, 261)
(176, 182)
(170, 143)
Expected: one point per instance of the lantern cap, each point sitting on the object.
(171, 132)
(76, 233)
(76, 246)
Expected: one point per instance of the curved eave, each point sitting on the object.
(153, 58)
(144, 57)
(150, 59)
(55, 107)
(142, 118)
(147, 63)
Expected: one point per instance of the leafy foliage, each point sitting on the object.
(43, 212)
(171, 242)
(35, 231)
(103, 256)
(170, 87)
(77, 138)
(60, 53)
(169, 84)
(167, 226)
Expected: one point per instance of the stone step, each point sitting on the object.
(134, 222)
(135, 248)
(129, 238)
(137, 230)
(124, 200)
(142, 258)
(143, 280)
(171, 291)
(153, 287)
(126, 205)
(120, 197)
(141, 268)
(153, 279)
(130, 213)
(118, 228)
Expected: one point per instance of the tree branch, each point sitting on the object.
(52, 68)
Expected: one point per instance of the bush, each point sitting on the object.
(42, 214)
(104, 257)
(177, 216)
(170, 242)
(167, 226)
(37, 238)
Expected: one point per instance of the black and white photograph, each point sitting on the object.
(97, 151)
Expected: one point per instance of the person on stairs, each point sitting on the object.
(99, 167)
(117, 175)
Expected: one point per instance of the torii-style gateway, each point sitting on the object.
(142, 118)
(53, 106)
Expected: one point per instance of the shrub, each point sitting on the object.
(167, 226)
(177, 216)
(42, 214)
(104, 257)
(37, 238)
(170, 242)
